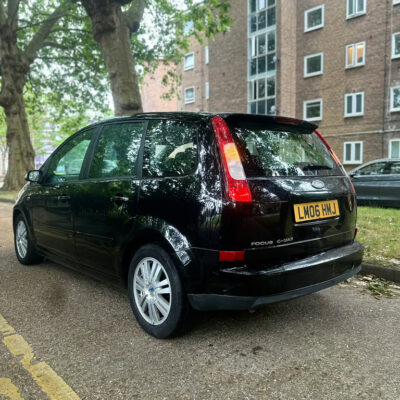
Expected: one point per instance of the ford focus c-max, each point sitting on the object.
(194, 211)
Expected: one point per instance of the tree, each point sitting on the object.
(36, 47)
(118, 28)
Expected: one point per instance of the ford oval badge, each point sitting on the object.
(318, 184)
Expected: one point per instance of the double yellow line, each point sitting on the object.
(50, 383)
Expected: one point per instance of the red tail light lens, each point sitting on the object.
(237, 186)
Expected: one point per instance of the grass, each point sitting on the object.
(8, 195)
(379, 231)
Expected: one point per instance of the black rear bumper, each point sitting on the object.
(248, 287)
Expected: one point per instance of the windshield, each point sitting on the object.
(281, 150)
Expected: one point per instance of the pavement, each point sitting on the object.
(66, 336)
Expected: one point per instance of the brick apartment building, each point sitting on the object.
(334, 62)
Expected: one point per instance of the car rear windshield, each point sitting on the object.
(272, 149)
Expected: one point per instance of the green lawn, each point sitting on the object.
(8, 195)
(379, 231)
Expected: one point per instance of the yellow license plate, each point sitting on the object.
(319, 210)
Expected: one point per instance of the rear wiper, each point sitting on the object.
(315, 167)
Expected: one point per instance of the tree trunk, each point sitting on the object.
(20, 150)
(111, 32)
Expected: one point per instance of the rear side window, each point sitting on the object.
(379, 168)
(170, 148)
(271, 149)
(395, 168)
(117, 150)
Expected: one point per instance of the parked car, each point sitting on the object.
(194, 211)
(378, 183)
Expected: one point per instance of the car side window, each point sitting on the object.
(67, 162)
(379, 168)
(117, 150)
(170, 148)
(395, 168)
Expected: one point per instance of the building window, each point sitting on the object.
(353, 153)
(395, 99)
(262, 15)
(189, 61)
(262, 96)
(188, 28)
(396, 45)
(394, 148)
(312, 110)
(263, 54)
(314, 65)
(189, 95)
(314, 18)
(356, 8)
(206, 55)
(207, 90)
(355, 55)
(354, 104)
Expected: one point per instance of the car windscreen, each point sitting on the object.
(272, 149)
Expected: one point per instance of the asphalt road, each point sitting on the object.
(337, 344)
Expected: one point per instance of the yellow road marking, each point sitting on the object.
(51, 384)
(8, 389)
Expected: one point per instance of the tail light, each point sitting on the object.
(237, 187)
(231, 255)
(336, 158)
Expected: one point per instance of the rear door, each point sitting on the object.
(370, 180)
(390, 190)
(105, 202)
(302, 200)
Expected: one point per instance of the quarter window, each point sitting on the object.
(356, 8)
(117, 151)
(314, 18)
(353, 152)
(355, 55)
(396, 45)
(312, 110)
(189, 95)
(67, 162)
(313, 65)
(170, 149)
(189, 61)
(395, 99)
(394, 148)
(354, 104)
(395, 168)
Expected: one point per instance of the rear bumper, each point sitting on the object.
(244, 288)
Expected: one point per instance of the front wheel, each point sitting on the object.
(156, 294)
(24, 247)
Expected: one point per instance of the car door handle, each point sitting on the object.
(63, 198)
(119, 199)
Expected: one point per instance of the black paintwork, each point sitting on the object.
(378, 186)
(84, 223)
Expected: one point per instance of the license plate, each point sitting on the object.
(319, 210)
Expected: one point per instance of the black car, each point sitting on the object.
(194, 211)
(377, 183)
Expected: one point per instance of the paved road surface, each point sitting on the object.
(336, 344)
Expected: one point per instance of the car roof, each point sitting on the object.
(180, 115)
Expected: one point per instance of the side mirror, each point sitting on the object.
(33, 175)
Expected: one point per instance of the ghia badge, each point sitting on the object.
(318, 184)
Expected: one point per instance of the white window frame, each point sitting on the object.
(390, 145)
(309, 75)
(352, 152)
(392, 89)
(305, 104)
(353, 97)
(306, 28)
(393, 43)
(207, 90)
(355, 14)
(206, 55)
(191, 101)
(354, 63)
(185, 68)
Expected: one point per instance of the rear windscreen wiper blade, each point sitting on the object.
(315, 167)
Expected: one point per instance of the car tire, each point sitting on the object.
(24, 247)
(156, 294)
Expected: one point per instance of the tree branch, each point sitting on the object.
(133, 16)
(44, 31)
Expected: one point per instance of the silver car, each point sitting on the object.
(378, 183)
